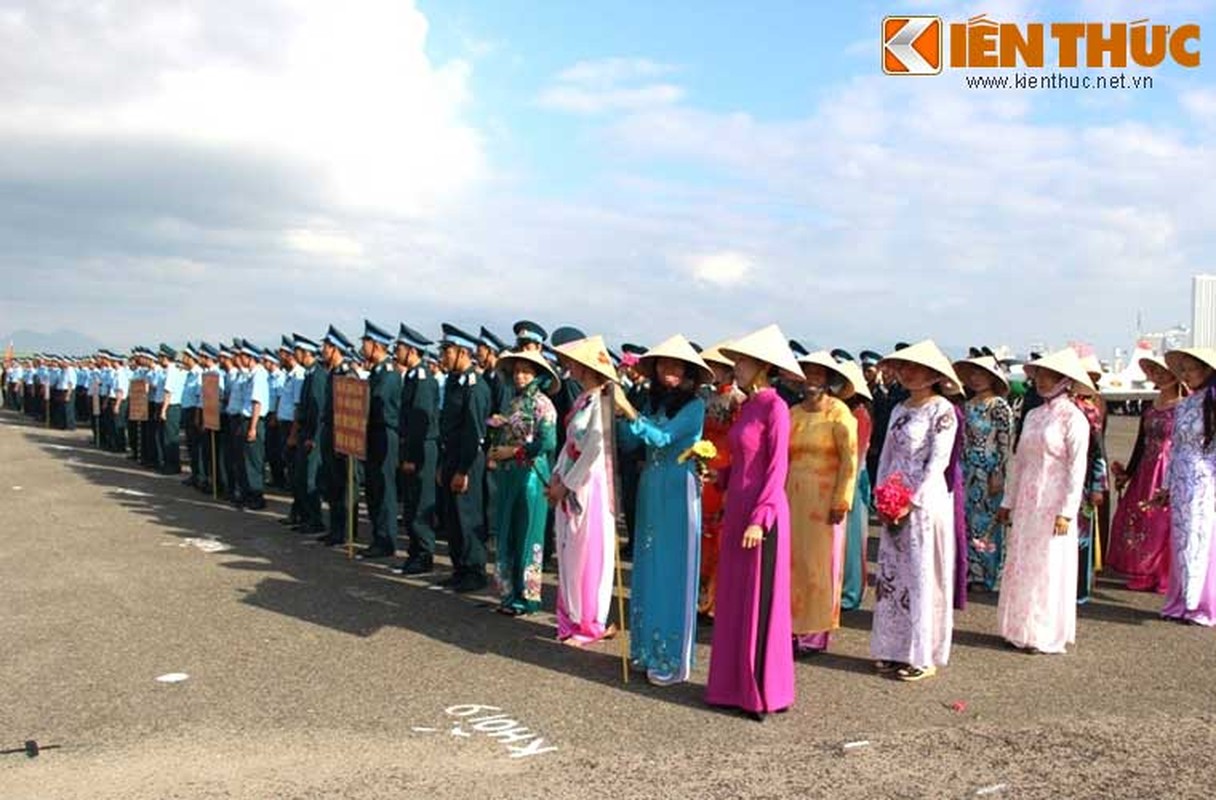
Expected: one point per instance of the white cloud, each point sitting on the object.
(345, 91)
(725, 268)
(611, 84)
(326, 243)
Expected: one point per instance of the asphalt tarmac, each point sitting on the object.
(310, 676)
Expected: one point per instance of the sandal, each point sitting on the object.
(887, 667)
(912, 674)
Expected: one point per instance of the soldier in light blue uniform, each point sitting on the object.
(209, 358)
(172, 384)
(192, 412)
(234, 446)
(255, 400)
(285, 412)
(306, 433)
(276, 436)
(65, 395)
(155, 451)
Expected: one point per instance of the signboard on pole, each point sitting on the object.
(352, 401)
(137, 401)
(211, 401)
(95, 396)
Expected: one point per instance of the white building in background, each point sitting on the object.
(1203, 311)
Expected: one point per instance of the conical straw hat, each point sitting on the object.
(927, 354)
(770, 346)
(1064, 362)
(680, 349)
(507, 362)
(1155, 361)
(824, 359)
(857, 381)
(986, 364)
(1091, 364)
(714, 355)
(590, 353)
(1205, 355)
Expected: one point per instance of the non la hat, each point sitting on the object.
(591, 353)
(824, 359)
(1064, 362)
(714, 355)
(680, 349)
(856, 380)
(1155, 361)
(770, 346)
(506, 365)
(1204, 355)
(987, 364)
(1091, 364)
(927, 354)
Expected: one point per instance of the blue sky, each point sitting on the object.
(636, 169)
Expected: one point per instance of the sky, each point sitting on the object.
(183, 171)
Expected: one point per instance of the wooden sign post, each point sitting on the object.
(137, 410)
(46, 402)
(352, 401)
(211, 422)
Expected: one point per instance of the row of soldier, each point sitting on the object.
(426, 432)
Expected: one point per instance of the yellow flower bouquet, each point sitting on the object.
(700, 454)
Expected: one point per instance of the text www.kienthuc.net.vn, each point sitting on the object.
(1060, 81)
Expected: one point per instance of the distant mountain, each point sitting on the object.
(61, 341)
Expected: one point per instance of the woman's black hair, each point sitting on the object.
(670, 401)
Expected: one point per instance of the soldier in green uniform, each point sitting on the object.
(419, 451)
(489, 347)
(336, 356)
(462, 431)
(305, 435)
(383, 423)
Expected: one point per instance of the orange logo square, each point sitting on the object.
(912, 45)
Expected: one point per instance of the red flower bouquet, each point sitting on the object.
(893, 499)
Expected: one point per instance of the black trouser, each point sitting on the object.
(336, 479)
(59, 417)
(419, 503)
(233, 453)
(381, 485)
(133, 429)
(170, 441)
(464, 519)
(307, 476)
(276, 445)
(253, 459)
(192, 421)
(83, 408)
(149, 438)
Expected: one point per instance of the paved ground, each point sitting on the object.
(311, 676)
